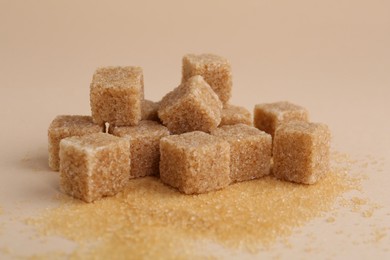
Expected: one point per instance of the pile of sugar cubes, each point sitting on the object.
(193, 139)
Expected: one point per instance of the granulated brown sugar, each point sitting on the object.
(379, 234)
(150, 219)
(360, 205)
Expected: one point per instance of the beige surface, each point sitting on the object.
(332, 57)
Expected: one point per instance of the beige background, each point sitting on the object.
(332, 57)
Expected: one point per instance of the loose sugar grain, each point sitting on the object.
(149, 219)
(116, 94)
(65, 126)
(93, 166)
(232, 115)
(267, 117)
(192, 106)
(195, 162)
(215, 69)
(250, 151)
(144, 146)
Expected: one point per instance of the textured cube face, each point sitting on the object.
(144, 146)
(65, 126)
(194, 162)
(232, 115)
(116, 95)
(149, 110)
(190, 107)
(267, 117)
(250, 151)
(214, 69)
(301, 152)
(93, 166)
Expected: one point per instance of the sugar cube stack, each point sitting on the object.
(194, 139)
(93, 166)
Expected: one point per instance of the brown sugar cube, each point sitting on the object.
(116, 95)
(149, 110)
(144, 146)
(301, 152)
(194, 162)
(190, 107)
(214, 69)
(65, 126)
(232, 115)
(250, 151)
(267, 117)
(93, 166)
